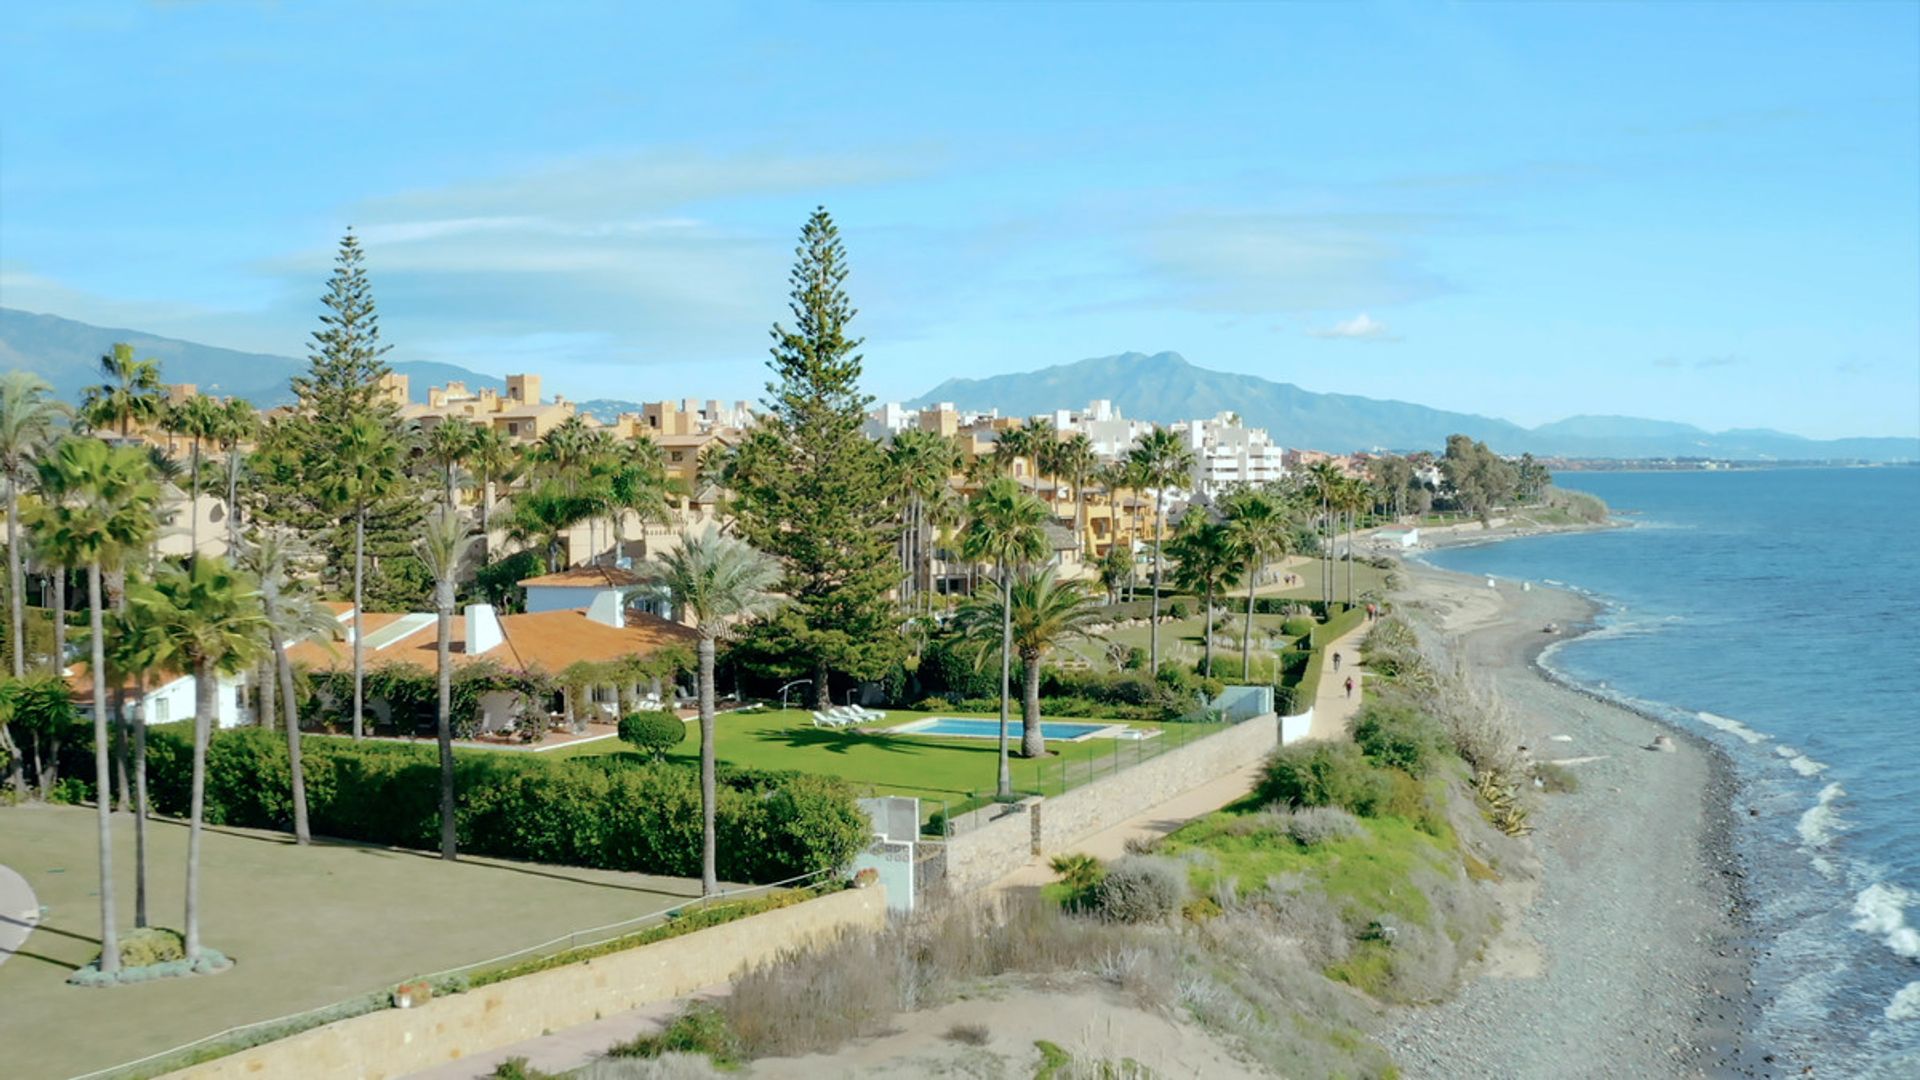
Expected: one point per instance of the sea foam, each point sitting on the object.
(1817, 824)
(1732, 727)
(1800, 762)
(1905, 1004)
(1881, 910)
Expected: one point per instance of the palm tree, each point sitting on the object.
(1006, 527)
(1074, 459)
(1207, 565)
(637, 484)
(448, 446)
(1116, 569)
(719, 581)
(366, 468)
(923, 462)
(493, 459)
(1039, 612)
(133, 650)
(1162, 461)
(1012, 445)
(196, 419)
(443, 547)
(1257, 531)
(131, 392)
(237, 423)
(28, 418)
(270, 555)
(212, 622)
(542, 514)
(1323, 482)
(99, 509)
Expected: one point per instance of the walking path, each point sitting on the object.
(1333, 707)
(570, 1048)
(19, 912)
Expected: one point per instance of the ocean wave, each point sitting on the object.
(1881, 910)
(1817, 824)
(1732, 727)
(1800, 762)
(1905, 1004)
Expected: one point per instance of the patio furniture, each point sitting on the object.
(831, 723)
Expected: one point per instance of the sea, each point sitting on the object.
(1776, 613)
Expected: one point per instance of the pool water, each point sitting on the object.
(954, 727)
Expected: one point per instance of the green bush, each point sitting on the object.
(1298, 626)
(1325, 774)
(151, 945)
(652, 733)
(700, 1029)
(1175, 610)
(1082, 875)
(1398, 736)
(613, 812)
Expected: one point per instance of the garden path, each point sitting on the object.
(1333, 707)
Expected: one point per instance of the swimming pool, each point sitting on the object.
(1052, 730)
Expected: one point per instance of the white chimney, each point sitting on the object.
(608, 608)
(483, 629)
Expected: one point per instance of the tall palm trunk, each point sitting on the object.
(102, 798)
(1033, 743)
(233, 499)
(140, 803)
(709, 878)
(193, 502)
(1246, 634)
(1080, 510)
(443, 647)
(1353, 529)
(1006, 672)
(486, 502)
(59, 620)
(204, 690)
(116, 586)
(16, 584)
(1153, 627)
(301, 833)
(1206, 629)
(359, 640)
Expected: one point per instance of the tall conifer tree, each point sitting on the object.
(813, 486)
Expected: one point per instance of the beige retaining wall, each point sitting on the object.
(982, 856)
(395, 1042)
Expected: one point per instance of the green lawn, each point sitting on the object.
(933, 769)
(305, 927)
(1181, 640)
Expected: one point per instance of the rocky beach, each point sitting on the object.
(1626, 952)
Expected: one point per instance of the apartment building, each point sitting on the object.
(1227, 454)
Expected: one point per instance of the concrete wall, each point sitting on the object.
(395, 1042)
(1295, 728)
(983, 855)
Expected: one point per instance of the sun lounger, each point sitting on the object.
(834, 723)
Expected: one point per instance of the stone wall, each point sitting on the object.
(396, 1042)
(1065, 819)
(983, 855)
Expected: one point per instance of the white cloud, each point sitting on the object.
(1260, 263)
(1362, 327)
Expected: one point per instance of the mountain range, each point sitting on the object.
(1165, 387)
(67, 353)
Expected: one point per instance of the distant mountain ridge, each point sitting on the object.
(1165, 387)
(66, 353)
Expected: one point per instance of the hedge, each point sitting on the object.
(616, 813)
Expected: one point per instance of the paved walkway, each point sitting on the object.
(1334, 707)
(19, 912)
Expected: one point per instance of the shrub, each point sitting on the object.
(1177, 610)
(1081, 874)
(1398, 736)
(606, 812)
(1312, 825)
(1298, 626)
(151, 945)
(652, 733)
(1141, 888)
(700, 1029)
(1136, 658)
(1324, 774)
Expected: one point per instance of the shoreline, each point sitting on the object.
(1585, 910)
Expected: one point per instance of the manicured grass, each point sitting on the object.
(933, 769)
(1310, 572)
(1182, 640)
(305, 927)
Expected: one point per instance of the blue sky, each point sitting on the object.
(1706, 213)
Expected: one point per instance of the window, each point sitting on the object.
(162, 711)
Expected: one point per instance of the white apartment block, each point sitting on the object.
(1227, 454)
(1111, 434)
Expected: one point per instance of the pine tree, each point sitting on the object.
(813, 486)
(345, 365)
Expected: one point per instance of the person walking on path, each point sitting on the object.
(1349, 686)
(1336, 662)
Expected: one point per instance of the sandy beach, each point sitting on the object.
(1625, 955)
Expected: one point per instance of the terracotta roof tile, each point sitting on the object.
(600, 577)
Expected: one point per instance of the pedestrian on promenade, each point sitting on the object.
(1336, 661)
(1349, 686)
